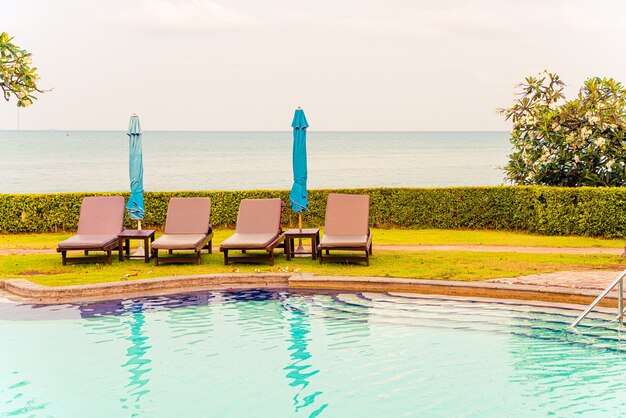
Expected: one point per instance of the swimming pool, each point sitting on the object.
(267, 353)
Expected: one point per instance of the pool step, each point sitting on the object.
(531, 321)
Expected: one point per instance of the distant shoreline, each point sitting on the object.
(244, 131)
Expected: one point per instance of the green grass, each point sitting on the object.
(448, 265)
(471, 237)
(451, 265)
(381, 236)
(35, 241)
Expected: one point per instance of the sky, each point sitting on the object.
(406, 65)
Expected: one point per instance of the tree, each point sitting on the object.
(557, 142)
(17, 77)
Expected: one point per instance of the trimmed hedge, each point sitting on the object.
(586, 211)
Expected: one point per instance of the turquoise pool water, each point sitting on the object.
(267, 353)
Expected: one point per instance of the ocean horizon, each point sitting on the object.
(48, 161)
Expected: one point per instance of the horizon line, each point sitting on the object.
(249, 130)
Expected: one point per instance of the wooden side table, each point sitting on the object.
(147, 235)
(311, 233)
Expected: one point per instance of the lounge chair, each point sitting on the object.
(258, 228)
(187, 227)
(346, 228)
(101, 219)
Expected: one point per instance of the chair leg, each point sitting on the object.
(243, 251)
(367, 258)
(327, 252)
(109, 257)
(225, 257)
(86, 252)
(170, 252)
(211, 246)
(198, 257)
(272, 257)
(155, 255)
(64, 257)
(371, 245)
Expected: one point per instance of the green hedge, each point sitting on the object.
(546, 210)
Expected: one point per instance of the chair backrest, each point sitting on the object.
(347, 214)
(101, 215)
(188, 215)
(259, 216)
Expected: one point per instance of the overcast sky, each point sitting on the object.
(351, 64)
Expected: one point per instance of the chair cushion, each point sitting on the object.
(259, 216)
(347, 214)
(179, 241)
(242, 240)
(188, 215)
(334, 241)
(101, 215)
(85, 242)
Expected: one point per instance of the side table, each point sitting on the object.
(123, 242)
(310, 233)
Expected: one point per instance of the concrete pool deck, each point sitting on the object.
(562, 287)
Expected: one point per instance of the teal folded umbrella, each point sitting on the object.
(135, 202)
(299, 196)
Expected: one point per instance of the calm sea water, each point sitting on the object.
(54, 161)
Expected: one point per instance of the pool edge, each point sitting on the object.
(28, 291)
(551, 294)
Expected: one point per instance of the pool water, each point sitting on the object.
(265, 353)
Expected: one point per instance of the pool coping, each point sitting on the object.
(27, 291)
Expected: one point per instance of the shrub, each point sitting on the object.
(586, 211)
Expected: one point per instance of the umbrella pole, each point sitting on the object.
(300, 249)
(140, 251)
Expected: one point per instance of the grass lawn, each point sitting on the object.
(381, 236)
(450, 265)
(470, 237)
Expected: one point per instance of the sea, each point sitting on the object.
(83, 161)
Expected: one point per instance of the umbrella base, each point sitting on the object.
(301, 252)
(140, 253)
